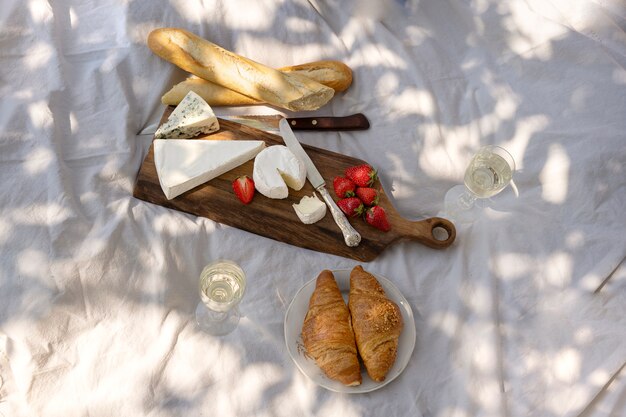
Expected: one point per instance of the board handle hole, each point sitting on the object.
(441, 233)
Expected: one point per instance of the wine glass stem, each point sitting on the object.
(467, 200)
(216, 315)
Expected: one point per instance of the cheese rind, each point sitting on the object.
(193, 116)
(275, 169)
(184, 164)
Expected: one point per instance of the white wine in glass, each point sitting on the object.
(489, 172)
(222, 285)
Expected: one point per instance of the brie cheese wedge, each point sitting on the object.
(275, 169)
(190, 118)
(184, 164)
(310, 209)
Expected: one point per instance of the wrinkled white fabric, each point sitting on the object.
(524, 315)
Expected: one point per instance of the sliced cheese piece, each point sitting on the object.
(184, 164)
(275, 169)
(310, 209)
(190, 118)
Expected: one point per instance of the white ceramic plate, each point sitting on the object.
(293, 335)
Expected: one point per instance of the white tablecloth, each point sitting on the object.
(524, 315)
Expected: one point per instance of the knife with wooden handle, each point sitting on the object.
(269, 123)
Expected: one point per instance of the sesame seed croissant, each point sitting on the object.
(377, 323)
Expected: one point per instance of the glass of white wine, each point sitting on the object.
(489, 172)
(222, 285)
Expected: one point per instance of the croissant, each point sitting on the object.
(377, 323)
(327, 333)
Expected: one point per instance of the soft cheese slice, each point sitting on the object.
(184, 164)
(190, 118)
(275, 169)
(310, 209)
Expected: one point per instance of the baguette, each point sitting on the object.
(200, 57)
(333, 74)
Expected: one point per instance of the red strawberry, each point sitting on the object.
(377, 217)
(369, 196)
(352, 206)
(244, 188)
(362, 175)
(343, 187)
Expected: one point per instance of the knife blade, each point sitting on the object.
(350, 235)
(269, 123)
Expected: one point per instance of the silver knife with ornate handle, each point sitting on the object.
(350, 235)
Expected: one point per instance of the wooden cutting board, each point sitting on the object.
(276, 219)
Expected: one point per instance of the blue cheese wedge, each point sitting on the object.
(184, 164)
(192, 117)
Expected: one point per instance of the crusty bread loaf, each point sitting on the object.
(207, 60)
(334, 74)
(214, 94)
